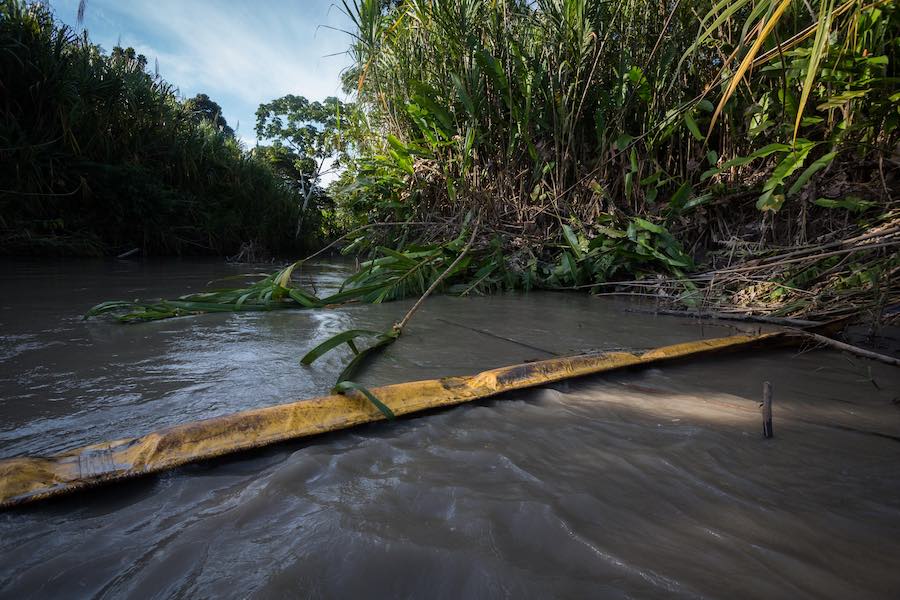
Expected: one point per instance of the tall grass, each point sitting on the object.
(547, 112)
(97, 155)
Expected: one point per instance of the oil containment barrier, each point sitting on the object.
(26, 479)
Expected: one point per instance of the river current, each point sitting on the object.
(636, 484)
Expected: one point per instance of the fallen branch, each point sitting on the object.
(759, 267)
(398, 327)
(827, 341)
(728, 316)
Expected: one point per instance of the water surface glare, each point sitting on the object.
(651, 483)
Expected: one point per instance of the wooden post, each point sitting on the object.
(767, 410)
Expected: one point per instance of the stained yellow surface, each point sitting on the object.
(27, 479)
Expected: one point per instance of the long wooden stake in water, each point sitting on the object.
(24, 479)
(767, 410)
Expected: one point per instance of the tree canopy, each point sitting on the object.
(306, 141)
(202, 108)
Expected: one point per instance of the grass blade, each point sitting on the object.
(364, 356)
(815, 56)
(348, 386)
(335, 341)
(748, 60)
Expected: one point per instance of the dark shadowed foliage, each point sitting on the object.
(97, 155)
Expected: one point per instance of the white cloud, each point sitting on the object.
(254, 52)
(240, 53)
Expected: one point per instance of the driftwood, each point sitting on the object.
(728, 316)
(888, 360)
(801, 326)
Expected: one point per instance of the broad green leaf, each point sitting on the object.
(623, 141)
(463, 95)
(787, 166)
(570, 266)
(652, 178)
(841, 99)
(851, 203)
(648, 226)
(696, 201)
(396, 144)
(767, 26)
(572, 240)
(818, 165)
(692, 126)
(818, 49)
(611, 232)
(681, 195)
(402, 161)
(426, 97)
(335, 341)
(743, 160)
(770, 199)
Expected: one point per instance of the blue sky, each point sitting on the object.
(240, 52)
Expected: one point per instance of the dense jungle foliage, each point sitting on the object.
(99, 155)
(607, 141)
(725, 154)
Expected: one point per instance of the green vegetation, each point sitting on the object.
(727, 155)
(607, 142)
(98, 155)
(305, 135)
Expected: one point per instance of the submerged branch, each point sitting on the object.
(409, 315)
(827, 341)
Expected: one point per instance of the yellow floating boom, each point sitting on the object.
(27, 479)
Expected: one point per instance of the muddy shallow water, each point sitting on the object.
(652, 483)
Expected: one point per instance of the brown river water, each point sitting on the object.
(637, 484)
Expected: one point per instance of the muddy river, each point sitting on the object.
(640, 484)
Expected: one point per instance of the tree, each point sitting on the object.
(129, 59)
(202, 108)
(305, 135)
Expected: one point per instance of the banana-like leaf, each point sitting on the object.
(810, 171)
(572, 241)
(362, 357)
(335, 341)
